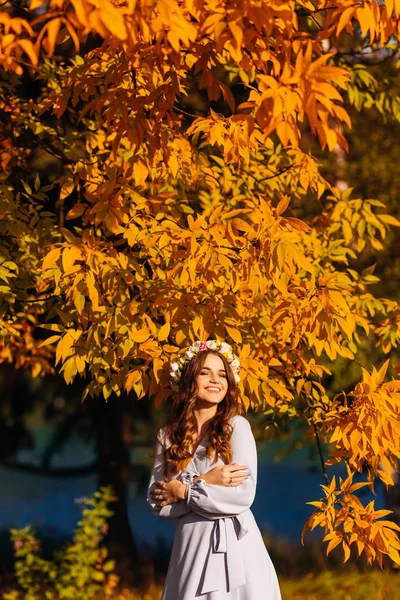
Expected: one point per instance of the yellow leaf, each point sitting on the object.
(345, 19)
(332, 544)
(139, 336)
(69, 256)
(151, 325)
(114, 21)
(179, 337)
(140, 172)
(173, 165)
(50, 340)
(92, 291)
(80, 364)
(132, 378)
(170, 349)
(76, 211)
(69, 369)
(282, 205)
(347, 232)
(173, 39)
(360, 546)
(394, 555)
(382, 372)
(164, 332)
(389, 220)
(51, 258)
(67, 188)
(79, 302)
(158, 365)
(366, 19)
(346, 551)
(30, 50)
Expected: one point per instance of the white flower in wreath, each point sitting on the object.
(225, 348)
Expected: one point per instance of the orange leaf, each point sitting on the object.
(76, 211)
(139, 336)
(164, 332)
(53, 29)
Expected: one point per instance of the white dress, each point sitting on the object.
(218, 552)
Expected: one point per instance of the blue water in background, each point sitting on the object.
(52, 506)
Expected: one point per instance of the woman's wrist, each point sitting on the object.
(203, 477)
(183, 491)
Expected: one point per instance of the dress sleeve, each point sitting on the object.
(215, 501)
(170, 511)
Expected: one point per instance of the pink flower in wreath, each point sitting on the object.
(203, 345)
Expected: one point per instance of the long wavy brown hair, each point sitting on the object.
(181, 427)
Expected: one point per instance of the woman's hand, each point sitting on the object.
(228, 475)
(168, 492)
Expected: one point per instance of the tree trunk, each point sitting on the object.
(112, 426)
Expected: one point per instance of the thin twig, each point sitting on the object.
(184, 112)
(277, 174)
(321, 456)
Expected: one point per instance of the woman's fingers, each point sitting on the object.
(236, 474)
(156, 495)
(238, 471)
(239, 477)
(233, 468)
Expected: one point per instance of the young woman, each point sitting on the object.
(204, 475)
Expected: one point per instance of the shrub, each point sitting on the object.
(80, 570)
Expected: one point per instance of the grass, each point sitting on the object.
(328, 585)
(350, 585)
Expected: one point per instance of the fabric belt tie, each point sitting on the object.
(225, 537)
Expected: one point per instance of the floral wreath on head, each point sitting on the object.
(178, 365)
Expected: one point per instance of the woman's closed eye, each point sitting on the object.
(222, 374)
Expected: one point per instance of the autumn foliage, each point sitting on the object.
(168, 222)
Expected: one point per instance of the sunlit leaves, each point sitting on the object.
(179, 221)
(364, 426)
(346, 522)
(286, 91)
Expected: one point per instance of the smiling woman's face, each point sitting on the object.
(212, 383)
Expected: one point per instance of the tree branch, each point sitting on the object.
(321, 456)
(277, 174)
